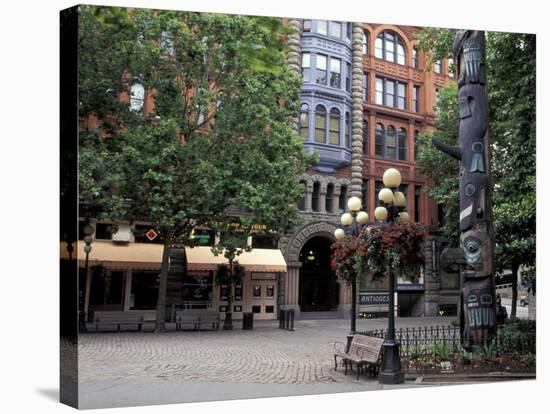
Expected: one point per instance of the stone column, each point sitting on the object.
(292, 287)
(322, 197)
(309, 192)
(357, 112)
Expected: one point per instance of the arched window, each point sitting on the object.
(365, 42)
(402, 144)
(334, 129)
(390, 143)
(379, 140)
(365, 138)
(389, 46)
(343, 197)
(137, 97)
(328, 198)
(320, 124)
(302, 201)
(315, 197)
(304, 121)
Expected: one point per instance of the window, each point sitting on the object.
(322, 27)
(389, 46)
(378, 185)
(365, 138)
(347, 131)
(321, 73)
(436, 99)
(137, 97)
(416, 146)
(167, 43)
(256, 309)
(197, 288)
(269, 291)
(144, 290)
(302, 201)
(334, 127)
(415, 58)
(328, 198)
(416, 98)
(451, 67)
(342, 198)
(348, 32)
(379, 140)
(437, 66)
(402, 144)
(365, 43)
(103, 231)
(304, 121)
(348, 77)
(140, 234)
(336, 29)
(365, 86)
(365, 194)
(335, 69)
(306, 27)
(315, 197)
(391, 93)
(390, 144)
(269, 309)
(320, 123)
(203, 237)
(264, 241)
(417, 202)
(257, 291)
(306, 65)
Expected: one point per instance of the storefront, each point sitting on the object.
(126, 276)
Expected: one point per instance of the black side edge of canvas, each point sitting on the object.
(68, 207)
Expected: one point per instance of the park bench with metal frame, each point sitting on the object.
(363, 351)
(118, 319)
(197, 318)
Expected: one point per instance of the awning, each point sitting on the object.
(149, 256)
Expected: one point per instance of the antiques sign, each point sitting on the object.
(382, 299)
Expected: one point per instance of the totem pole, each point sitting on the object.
(474, 259)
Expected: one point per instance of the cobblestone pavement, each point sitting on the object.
(264, 355)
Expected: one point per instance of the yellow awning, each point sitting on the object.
(149, 256)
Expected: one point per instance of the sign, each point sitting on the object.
(151, 235)
(410, 287)
(263, 276)
(377, 299)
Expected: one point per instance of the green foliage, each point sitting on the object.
(511, 77)
(455, 322)
(442, 169)
(441, 350)
(528, 359)
(224, 276)
(486, 351)
(517, 334)
(466, 357)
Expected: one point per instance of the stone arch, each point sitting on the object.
(303, 234)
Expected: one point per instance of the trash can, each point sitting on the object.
(248, 320)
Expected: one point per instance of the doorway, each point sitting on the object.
(318, 287)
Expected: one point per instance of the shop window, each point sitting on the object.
(144, 290)
(237, 308)
(197, 289)
(269, 309)
(256, 309)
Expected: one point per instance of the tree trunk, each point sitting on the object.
(161, 302)
(513, 311)
(228, 322)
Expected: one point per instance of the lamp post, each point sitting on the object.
(352, 223)
(390, 210)
(88, 231)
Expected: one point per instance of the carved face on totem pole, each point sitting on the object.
(476, 257)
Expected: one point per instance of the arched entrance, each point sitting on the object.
(318, 287)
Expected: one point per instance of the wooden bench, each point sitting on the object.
(118, 319)
(197, 318)
(364, 350)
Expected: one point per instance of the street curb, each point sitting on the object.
(474, 377)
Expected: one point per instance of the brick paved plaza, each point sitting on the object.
(133, 368)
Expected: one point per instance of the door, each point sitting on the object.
(263, 294)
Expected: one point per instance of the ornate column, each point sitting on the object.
(291, 287)
(322, 197)
(357, 112)
(309, 192)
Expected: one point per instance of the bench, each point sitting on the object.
(118, 319)
(364, 350)
(196, 318)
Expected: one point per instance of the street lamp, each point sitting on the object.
(391, 205)
(88, 231)
(352, 223)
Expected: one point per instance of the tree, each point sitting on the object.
(220, 134)
(511, 77)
